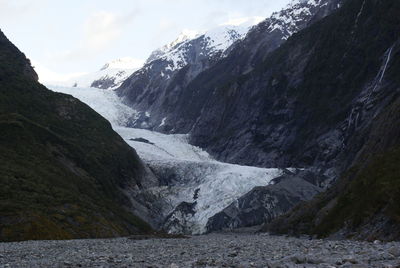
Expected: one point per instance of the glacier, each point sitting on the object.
(186, 173)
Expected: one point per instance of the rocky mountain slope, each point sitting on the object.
(62, 167)
(313, 103)
(155, 89)
(200, 105)
(364, 204)
(175, 100)
(364, 65)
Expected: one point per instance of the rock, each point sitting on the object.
(350, 260)
(298, 259)
(262, 204)
(314, 260)
(233, 254)
(395, 251)
(213, 250)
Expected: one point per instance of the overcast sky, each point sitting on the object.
(63, 37)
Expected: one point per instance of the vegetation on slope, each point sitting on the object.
(61, 164)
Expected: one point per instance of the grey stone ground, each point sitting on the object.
(214, 250)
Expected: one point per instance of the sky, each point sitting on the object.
(65, 38)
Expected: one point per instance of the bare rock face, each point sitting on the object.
(263, 204)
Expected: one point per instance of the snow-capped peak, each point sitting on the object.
(294, 16)
(183, 36)
(212, 42)
(223, 36)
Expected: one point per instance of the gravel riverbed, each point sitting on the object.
(214, 250)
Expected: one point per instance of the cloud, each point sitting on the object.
(48, 76)
(101, 30)
(9, 9)
(244, 20)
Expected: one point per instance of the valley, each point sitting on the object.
(192, 186)
(251, 141)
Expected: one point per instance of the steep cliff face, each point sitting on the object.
(62, 167)
(364, 203)
(310, 102)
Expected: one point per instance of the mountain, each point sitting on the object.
(312, 103)
(63, 171)
(110, 76)
(154, 89)
(306, 88)
(174, 89)
(327, 99)
(190, 100)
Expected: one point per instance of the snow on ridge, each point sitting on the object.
(184, 36)
(216, 40)
(287, 20)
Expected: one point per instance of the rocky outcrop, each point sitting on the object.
(265, 203)
(179, 220)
